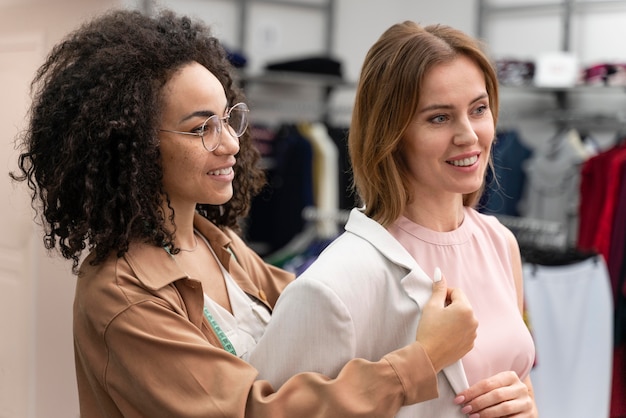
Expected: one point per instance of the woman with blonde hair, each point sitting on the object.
(420, 139)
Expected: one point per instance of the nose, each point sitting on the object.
(229, 143)
(464, 133)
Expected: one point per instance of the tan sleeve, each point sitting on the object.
(362, 389)
(416, 373)
(159, 365)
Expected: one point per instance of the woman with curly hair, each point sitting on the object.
(137, 153)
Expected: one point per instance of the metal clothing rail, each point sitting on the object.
(566, 119)
(536, 232)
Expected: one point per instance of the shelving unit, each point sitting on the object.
(295, 83)
(286, 90)
(564, 94)
(565, 10)
(327, 9)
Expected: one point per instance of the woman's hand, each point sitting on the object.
(447, 329)
(502, 395)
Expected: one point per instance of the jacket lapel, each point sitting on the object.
(416, 283)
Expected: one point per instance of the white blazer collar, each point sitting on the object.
(416, 282)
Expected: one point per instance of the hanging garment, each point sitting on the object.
(617, 248)
(617, 271)
(599, 186)
(339, 135)
(602, 229)
(276, 213)
(571, 312)
(553, 182)
(505, 184)
(325, 176)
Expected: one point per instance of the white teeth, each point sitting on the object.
(221, 172)
(465, 162)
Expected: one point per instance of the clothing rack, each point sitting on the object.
(281, 96)
(538, 233)
(307, 189)
(313, 238)
(564, 115)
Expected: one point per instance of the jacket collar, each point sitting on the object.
(155, 268)
(416, 283)
(373, 232)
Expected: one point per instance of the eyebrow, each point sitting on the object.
(444, 106)
(199, 113)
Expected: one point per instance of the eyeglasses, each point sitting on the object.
(235, 121)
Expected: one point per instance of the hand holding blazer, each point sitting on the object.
(362, 298)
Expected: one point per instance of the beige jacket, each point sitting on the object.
(144, 349)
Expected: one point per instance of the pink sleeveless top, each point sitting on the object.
(476, 258)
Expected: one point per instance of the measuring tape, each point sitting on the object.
(228, 346)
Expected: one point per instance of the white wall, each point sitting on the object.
(36, 291)
(19, 56)
(279, 32)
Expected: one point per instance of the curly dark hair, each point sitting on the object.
(90, 152)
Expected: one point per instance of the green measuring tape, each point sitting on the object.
(228, 346)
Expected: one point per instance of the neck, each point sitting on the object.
(182, 226)
(191, 248)
(437, 218)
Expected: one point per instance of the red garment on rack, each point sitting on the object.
(601, 182)
(618, 389)
(618, 240)
(599, 187)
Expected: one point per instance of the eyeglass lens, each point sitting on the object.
(236, 122)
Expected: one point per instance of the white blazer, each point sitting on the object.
(361, 298)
